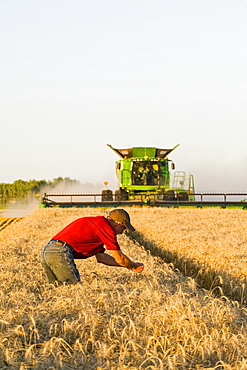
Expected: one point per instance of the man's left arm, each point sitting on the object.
(119, 259)
(106, 259)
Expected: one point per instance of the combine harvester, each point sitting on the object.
(144, 178)
(143, 175)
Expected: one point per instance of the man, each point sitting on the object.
(83, 238)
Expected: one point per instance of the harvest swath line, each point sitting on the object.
(219, 282)
(6, 221)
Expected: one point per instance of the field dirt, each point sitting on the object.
(118, 319)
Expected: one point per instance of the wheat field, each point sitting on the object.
(164, 318)
(209, 245)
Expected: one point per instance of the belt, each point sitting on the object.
(58, 242)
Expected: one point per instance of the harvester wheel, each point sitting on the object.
(169, 195)
(121, 195)
(106, 195)
(183, 197)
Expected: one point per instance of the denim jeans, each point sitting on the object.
(58, 262)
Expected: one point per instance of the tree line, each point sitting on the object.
(20, 190)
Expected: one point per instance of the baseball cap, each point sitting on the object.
(120, 215)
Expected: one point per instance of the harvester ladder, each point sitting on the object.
(179, 180)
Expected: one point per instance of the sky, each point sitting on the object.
(76, 75)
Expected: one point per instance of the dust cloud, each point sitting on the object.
(32, 202)
(19, 209)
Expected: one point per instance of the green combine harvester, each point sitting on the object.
(144, 174)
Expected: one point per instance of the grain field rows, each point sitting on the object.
(209, 245)
(6, 221)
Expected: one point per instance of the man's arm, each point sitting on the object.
(118, 258)
(106, 259)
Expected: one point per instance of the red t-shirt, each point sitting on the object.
(88, 235)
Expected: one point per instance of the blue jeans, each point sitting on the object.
(58, 262)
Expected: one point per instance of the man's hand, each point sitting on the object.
(139, 267)
(124, 261)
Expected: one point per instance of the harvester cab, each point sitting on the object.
(144, 173)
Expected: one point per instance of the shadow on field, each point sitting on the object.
(220, 283)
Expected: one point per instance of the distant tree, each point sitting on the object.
(19, 190)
